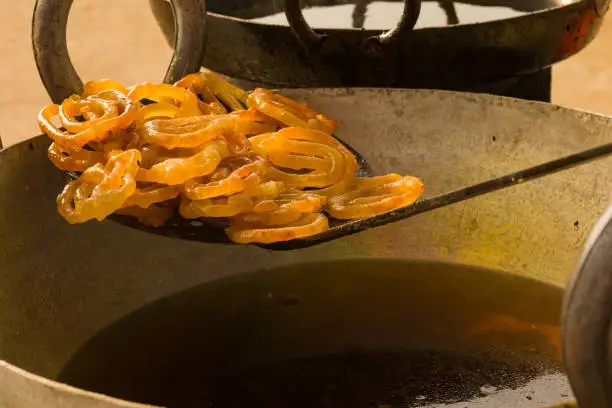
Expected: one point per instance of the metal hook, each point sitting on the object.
(410, 15)
(310, 39)
(51, 51)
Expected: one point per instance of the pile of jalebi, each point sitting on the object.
(203, 147)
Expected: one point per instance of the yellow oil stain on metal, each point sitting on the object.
(512, 324)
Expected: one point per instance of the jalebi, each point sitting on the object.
(100, 190)
(216, 207)
(229, 178)
(203, 148)
(146, 196)
(95, 87)
(215, 93)
(307, 225)
(169, 101)
(178, 170)
(102, 113)
(376, 195)
(289, 112)
(74, 160)
(186, 132)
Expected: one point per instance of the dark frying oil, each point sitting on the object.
(347, 334)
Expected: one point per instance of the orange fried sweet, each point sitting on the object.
(289, 112)
(186, 132)
(74, 159)
(287, 207)
(95, 87)
(375, 195)
(178, 170)
(209, 104)
(203, 148)
(102, 113)
(306, 225)
(273, 218)
(100, 190)
(146, 196)
(303, 158)
(167, 96)
(216, 207)
(215, 93)
(232, 176)
(252, 122)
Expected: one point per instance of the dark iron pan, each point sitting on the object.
(62, 285)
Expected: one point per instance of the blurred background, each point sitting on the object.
(120, 39)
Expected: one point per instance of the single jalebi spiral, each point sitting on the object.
(251, 122)
(234, 175)
(186, 132)
(375, 195)
(215, 207)
(146, 196)
(164, 101)
(287, 207)
(306, 225)
(203, 148)
(100, 190)
(101, 113)
(289, 112)
(95, 87)
(74, 160)
(177, 170)
(214, 92)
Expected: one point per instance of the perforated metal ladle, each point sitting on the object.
(61, 80)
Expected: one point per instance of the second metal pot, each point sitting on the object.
(509, 56)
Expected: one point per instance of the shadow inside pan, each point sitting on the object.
(341, 334)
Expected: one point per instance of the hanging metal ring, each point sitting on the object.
(51, 51)
(587, 321)
(311, 40)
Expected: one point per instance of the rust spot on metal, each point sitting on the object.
(577, 34)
